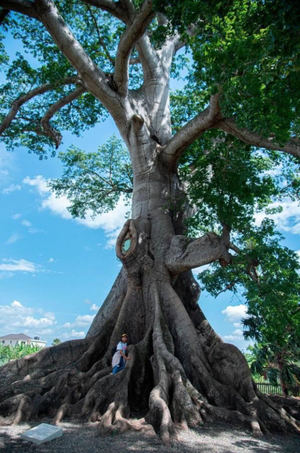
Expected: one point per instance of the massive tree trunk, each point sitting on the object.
(180, 372)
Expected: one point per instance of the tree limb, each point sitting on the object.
(184, 255)
(192, 130)
(252, 138)
(109, 6)
(133, 32)
(101, 41)
(17, 103)
(20, 6)
(47, 128)
(93, 77)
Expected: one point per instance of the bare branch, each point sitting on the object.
(252, 138)
(20, 6)
(227, 288)
(192, 130)
(31, 94)
(48, 129)
(184, 255)
(101, 41)
(234, 248)
(127, 42)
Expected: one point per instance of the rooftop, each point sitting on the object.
(16, 336)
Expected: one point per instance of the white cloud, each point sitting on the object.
(30, 321)
(16, 304)
(51, 260)
(94, 307)
(11, 188)
(39, 182)
(22, 265)
(80, 321)
(235, 313)
(26, 223)
(57, 205)
(13, 238)
(6, 166)
(18, 318)
(16, 216)
(199, 269)
(111, 222)
(286, 220)
(232, 338)
(73, 334)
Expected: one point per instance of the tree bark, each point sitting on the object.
(180, 373)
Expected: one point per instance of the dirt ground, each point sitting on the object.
(211, 438)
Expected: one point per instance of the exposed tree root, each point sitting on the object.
(180, 374)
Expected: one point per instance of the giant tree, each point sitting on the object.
(235, 117)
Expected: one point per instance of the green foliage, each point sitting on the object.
(95, 181)
(44, 63)
(277, 365)
(56, 341)
(250, 51)
(8, 353)
(268, 276)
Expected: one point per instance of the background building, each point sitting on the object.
(17, 339)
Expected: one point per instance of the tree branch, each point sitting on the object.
(127, 42)
(192, 130)
(94, 79)
(147, 56)
(15, 107)
(252, 138)
(109, 6)
(20, 6)
(48, 129)
(184, 254)
(101, 41)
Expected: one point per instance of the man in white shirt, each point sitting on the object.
(119, 357)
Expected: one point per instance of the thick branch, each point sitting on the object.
(148, 57)
(127, 42)
(184, 255)
(49, 130)
(31, 94)
(20, 6)
(192, 130)
(252, 138)
(93, 77)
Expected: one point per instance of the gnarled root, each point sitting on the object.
(180, 374)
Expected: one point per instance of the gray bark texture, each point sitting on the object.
(180, 372)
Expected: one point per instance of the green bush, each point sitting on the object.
(8, 353)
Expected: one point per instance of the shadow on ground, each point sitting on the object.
(214, 438)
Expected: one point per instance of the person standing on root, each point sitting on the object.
(119, 358)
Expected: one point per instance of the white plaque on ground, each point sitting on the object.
(42, 433)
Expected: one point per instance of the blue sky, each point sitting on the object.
(55, 272)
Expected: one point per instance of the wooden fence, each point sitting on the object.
(271, 389)
(268, 388)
